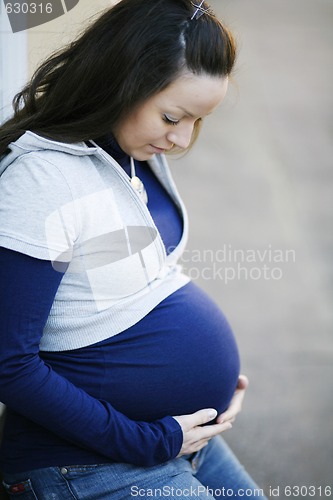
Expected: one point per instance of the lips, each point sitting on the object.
(156, 149)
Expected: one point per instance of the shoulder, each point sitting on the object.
(33, 174)
(44, 165)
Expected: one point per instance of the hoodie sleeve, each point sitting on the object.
(31, 388)
(38, 214)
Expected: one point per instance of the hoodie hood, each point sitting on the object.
(30, 142)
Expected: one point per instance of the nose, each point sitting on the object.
(181, 137)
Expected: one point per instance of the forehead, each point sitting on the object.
(198, 95)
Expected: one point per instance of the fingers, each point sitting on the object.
(233, 409)
(236, 402)
(194, 448)
(211, 431)
(195, 434)
(200, 417)
(243, 382)
(197, 438)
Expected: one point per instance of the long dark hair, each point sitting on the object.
(133, 50)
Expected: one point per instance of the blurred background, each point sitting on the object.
(258, 188)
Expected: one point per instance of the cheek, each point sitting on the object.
(148, 131)
(130, 133)
(142, 128)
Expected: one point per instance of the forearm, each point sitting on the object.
(40, 394)
(31, 388)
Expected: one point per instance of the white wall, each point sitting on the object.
(13, 63)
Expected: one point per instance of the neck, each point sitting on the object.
(110, 145)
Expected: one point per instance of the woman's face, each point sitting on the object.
(168, 118)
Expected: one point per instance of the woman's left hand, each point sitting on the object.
(236, 403)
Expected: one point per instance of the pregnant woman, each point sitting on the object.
(112, 360)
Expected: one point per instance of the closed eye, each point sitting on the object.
(169, 120)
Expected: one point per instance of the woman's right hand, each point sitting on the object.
(195, 435)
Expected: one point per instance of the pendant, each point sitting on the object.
(138, 186)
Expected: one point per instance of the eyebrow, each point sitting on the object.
(185, 111)
(188, 113)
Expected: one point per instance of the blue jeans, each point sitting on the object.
(214, 472)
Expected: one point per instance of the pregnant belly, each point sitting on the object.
(178, 359)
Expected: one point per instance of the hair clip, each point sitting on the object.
(199, 10)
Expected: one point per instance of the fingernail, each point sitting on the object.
(212, 414)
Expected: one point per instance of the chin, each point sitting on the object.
(143, 156)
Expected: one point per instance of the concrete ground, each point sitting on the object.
(259, 189)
